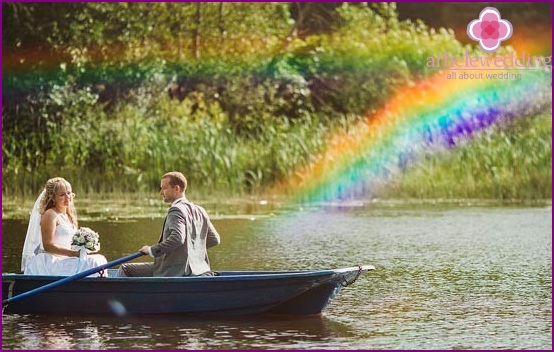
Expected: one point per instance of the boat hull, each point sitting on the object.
(230, 293)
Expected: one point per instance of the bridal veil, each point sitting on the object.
(33, 239)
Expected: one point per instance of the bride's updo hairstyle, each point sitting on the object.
(53, 186)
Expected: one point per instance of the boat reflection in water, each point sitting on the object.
(99, 332)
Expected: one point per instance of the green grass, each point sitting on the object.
(129, 151)
(509, 163)
(506, 163)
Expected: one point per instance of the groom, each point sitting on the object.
(187, 234)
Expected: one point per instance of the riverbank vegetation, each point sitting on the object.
(237, 96)
(507, 163)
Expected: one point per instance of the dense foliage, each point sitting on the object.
(236, 95)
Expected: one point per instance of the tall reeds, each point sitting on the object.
(508, 163)
(129, 152)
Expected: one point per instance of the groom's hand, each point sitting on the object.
(146, 250)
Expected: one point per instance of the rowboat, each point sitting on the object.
(302, 292)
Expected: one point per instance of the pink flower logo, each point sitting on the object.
(489, 29)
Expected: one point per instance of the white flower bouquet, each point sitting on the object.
(85, 237)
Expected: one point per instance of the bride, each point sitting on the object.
(47, 249)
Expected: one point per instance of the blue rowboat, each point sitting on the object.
(229, 293)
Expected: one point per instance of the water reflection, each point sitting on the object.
(31, 332)
(163, 332)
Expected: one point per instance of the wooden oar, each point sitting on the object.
(70, 278)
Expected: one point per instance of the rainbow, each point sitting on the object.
(436, 113)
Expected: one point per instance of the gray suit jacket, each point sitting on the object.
(187, 234)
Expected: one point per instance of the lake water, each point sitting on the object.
(447, 277)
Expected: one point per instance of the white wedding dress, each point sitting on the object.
(44, 263)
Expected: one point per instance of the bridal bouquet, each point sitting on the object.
(85, 237)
